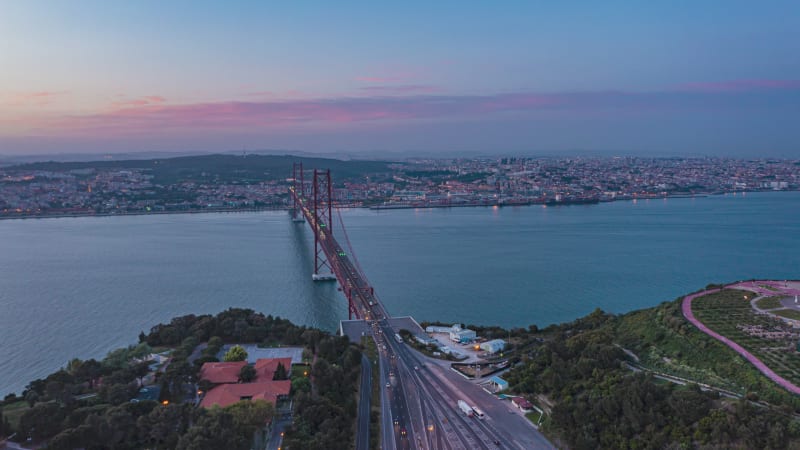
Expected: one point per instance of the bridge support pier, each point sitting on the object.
(323, 277)
(352, 311)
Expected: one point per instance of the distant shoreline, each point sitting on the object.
(143, 213)
(372, 207)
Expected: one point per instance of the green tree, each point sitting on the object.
(301, 384)
(164, 425)
(236, 353)
(280, 373)
(213, 430)
(247, 374)
(32, 397)
(140, 370)
(118, 393)
(252, 416)
(41, 421)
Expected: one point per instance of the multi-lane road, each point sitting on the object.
(423, 394)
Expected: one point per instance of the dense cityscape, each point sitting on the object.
(89, 188)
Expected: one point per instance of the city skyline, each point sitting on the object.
(717, 78)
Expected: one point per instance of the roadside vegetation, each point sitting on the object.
(371, 351)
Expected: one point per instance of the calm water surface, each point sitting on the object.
(80, 287)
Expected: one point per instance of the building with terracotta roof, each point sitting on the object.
(266, 367)
(229, 390)
(222, 372)
(228, 394)
(522, 403)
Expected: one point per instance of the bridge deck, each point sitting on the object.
(354, 284)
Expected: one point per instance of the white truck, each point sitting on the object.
(465, 408)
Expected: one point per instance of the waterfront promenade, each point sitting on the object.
(780, 288)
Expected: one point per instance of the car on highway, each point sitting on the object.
(388, 385)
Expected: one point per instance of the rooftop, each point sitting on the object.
(228, 394)
(265, 368)
(222, 372)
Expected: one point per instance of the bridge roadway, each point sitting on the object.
(419, 406)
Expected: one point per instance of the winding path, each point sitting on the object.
(686, 306)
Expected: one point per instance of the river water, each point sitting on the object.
(79, 287)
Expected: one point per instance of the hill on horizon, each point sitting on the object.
(220, 168)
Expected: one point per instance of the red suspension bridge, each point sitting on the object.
(314, 201)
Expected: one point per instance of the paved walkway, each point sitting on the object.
(783, 289)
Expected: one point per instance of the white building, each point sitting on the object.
(435, 329)
(493, 346)
(463, 336)
(425, 340)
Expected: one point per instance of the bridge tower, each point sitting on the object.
(297, 174)
(322, 205)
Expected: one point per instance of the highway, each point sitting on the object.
(433, 391)
(418, 395)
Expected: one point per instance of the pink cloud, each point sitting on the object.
(141, 101)
(40, 94)
(287, 113)
(39, 98)
(388, 79)
(402, 89)
(268, 94)
(740, 85)
(153, 114)
(284, 95)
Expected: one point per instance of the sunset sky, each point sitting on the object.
(639, 77)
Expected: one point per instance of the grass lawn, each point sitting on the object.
(298, 370)
(769, 303)
(14, 411)
(788, 313)
(534, 417)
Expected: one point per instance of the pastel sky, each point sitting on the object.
(428, 77)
